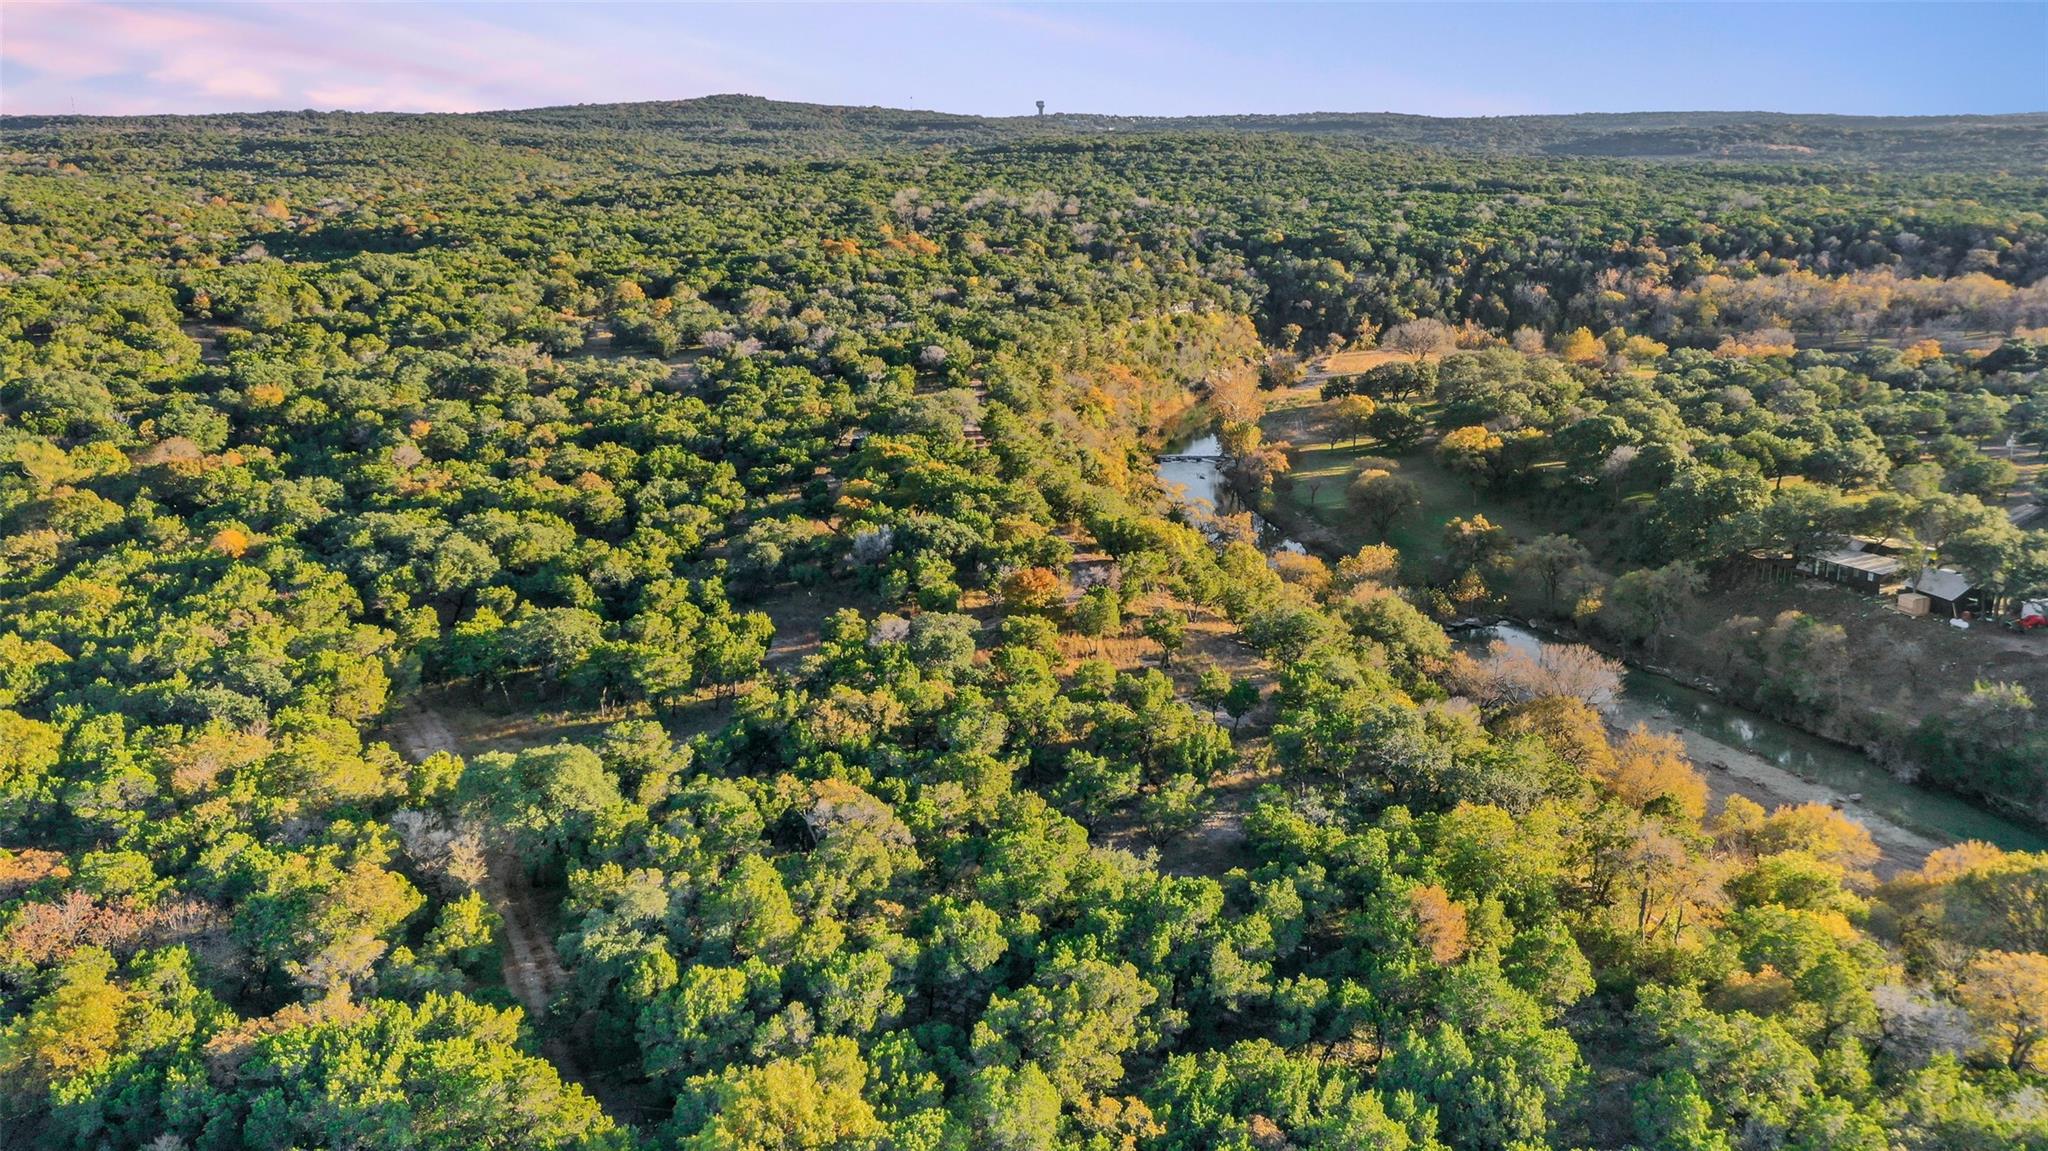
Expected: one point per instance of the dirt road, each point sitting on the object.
(530, 966)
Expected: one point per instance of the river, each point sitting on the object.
(1738, 751)
(1195, 476)
(1742, 753)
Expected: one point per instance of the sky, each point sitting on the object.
(996, 59)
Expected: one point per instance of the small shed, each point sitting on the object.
(1913, 603)
(1949, 592)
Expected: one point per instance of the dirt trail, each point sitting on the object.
(420, 732)
(530, 967)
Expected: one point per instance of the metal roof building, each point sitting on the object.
(1861, 568)
(1946, 587)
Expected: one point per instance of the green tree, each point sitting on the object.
(1098, 613)
(1382, 499)
(1641, 603)
(552, 801)
(1398, 427)
(1168, 629)
(443, 1075)
(1095, 786)
(1075, 1021)
(1550, 561)
(28, 753)
(1174, 807)
(749, 912)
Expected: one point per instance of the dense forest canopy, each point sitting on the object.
(652, 626)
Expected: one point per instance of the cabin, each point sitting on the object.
(1949, 593)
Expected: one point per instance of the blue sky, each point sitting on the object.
(1166, 59)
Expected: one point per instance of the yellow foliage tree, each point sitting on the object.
(1820, 831)
(2006, 992)
(1921, 352)
(1643, 348)
(1350, 418)
(1650, 766)
(1032, 589)
(1440, 924)
(1302, 569)
(230, 542)
(1581, 346)
(1373, 563)
(1122, 1121)
(1234, 396)
(1469, 451)
(1958, 858)
(71, 1031)
(1569, 726)
(813, 1101)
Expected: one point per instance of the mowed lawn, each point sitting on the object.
(1322, 473)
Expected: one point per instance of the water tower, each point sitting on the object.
(1041, 107)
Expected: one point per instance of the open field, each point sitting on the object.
(1322, 472)
(1322, 475)
(799, 614)
(1352, 363)
(467, 720)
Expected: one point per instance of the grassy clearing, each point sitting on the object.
(1444, 497)
(1352, 363)
(474, 720)
(1212, 847)
(1322, 476)
(1211, 639)
(799, 615)
(1902, 669)
(1322, 473)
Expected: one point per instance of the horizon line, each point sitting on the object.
(1027, 116)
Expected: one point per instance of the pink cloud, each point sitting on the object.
(114, 57)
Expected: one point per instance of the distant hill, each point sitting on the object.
(2015, 143)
